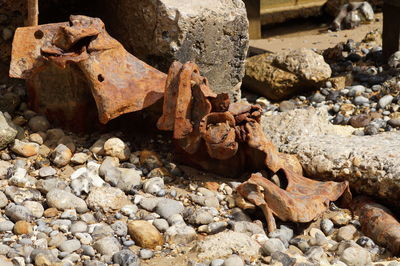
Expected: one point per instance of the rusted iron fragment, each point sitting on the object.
(87, 57)
(302, 200)
(378, 223)
(227, 139)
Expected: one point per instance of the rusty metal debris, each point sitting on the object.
(228, 139)
(64, 62)
(378, 223)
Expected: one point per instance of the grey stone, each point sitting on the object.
(187, 31)
(4, 166)
(45, 185)
(35, 208)
(200, 216)
(153, 185)
(284, 233)
(394, 122)
(57, 239)
(180, 233)
(286, 106)
(61, 155)
(161, 224)
(385, 100)
(6, 226)
(120, 228)
(216, 227)
(39, 123)
(18, 213)
(233, 260)
(217, 262)
(146, 254)
(107, 246)
(126, 258)
(101, 230)
(346, 232)
(88, 250)
(78, 227)
(107, 198)
(167, 207)
(356, 90)
(360, 100)
(149, 204)
(225, 244)
(362, 160)
(315, 254)
(354, 256)
(47, 171)
(63, 225)
(63, 200)
(4, 249)
(326, 226)
(272, 245)
(79, 158)
(69, 214)
(3, 200)
(129, 178)
(19, 195)
(8, 131)
(248, 228)
(70, 245)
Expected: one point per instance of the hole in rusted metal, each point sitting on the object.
(38, 34)
(100, 77)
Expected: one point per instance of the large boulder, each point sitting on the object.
(212, 33)
(278, 76)
(370, 163)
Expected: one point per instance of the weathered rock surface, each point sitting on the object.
(278, 76)
(7, 131)
(227, 243)
(369, 163)
(212, 33)
(107, 198)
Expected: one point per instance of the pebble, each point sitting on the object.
(360, 100)
(233, 260)
(79, 158)
(385, 100)
(6, 226)
(47, 171)
(284, 234)
(272, 245)
(161, 224)
(153, 185)
(356, 90)
(70, 246)
(394, 122)
(22, 228)
(63, 200)
(167, 207)
(37, 138)
(361, 120)
(317, 98)
(146, 254)
(120, 228)
(18, 213)
(216, 227)
(326, 226)
(61, 156)
(25, 149)
(285, 106)
(3, 200)
(107, 245)
(346, 232)
(115, 147)
(126, 257)
(180, 233)
(39, 123)
(217, 262)
(78, 227)
(354, 256)
(341, 218)
(34, 207)
(145, 234)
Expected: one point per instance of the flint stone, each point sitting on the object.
(18, 213)
(145, 234)
(180, 233)
(107, 198)
(8, 131)
(19, 195)
(167, 30)
(167, 207)
(4, 166)
(126, 258)
(107, 246)
(362, 160)
(63, 200)
(278, 76)
(227, 243)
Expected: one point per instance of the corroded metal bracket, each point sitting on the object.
(64, 62)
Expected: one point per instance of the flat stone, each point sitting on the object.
(145, 234)
(25, 149)
(180, 233)
(107, 246)
(63, 200)
(186, 31)
(107, 198)
(167, 207)
(362, 160)
(70, 245)
(225, 244)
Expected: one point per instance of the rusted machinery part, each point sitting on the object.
(301, 201)
(120, 83)
(221, 137)
(378, 223)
